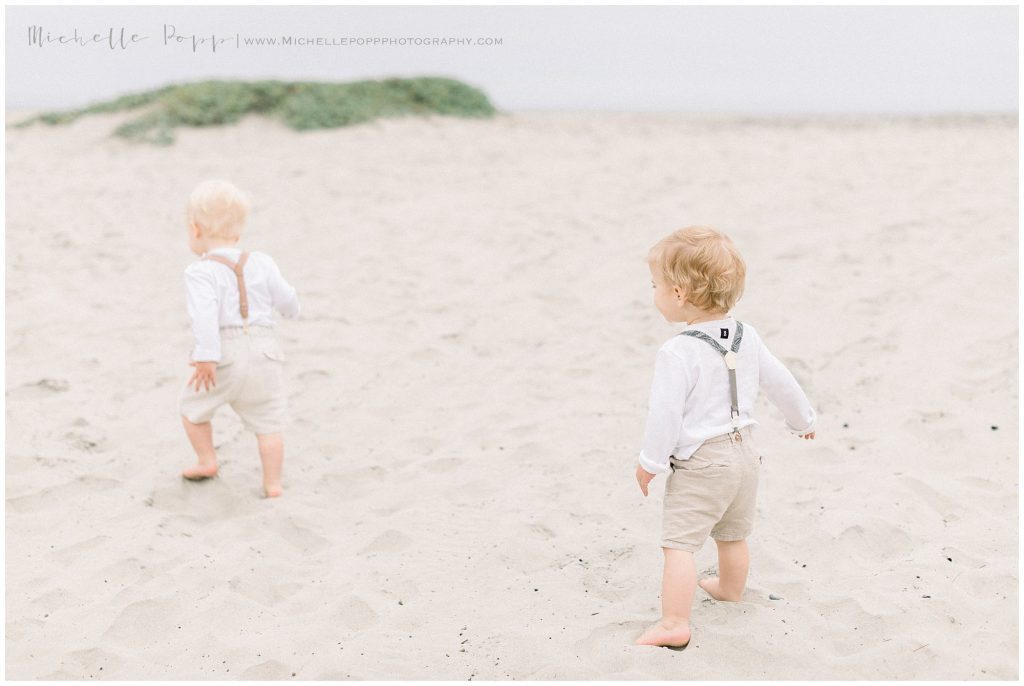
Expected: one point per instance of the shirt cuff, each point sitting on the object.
(802, 432)
(206, 355)
(653, 467)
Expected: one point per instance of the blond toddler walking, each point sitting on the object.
(700, 422)
(231, 295)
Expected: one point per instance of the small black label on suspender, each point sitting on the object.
(725, 333)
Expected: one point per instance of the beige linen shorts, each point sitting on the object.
(714, 492)
(250, 378)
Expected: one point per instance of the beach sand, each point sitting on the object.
(468, 385)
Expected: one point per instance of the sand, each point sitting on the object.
(468, 384)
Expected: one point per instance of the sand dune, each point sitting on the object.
(468, 384)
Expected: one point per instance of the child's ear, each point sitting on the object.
(680, 296)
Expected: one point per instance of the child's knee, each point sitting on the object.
(189, 423)
(729, 542)
(677, 553)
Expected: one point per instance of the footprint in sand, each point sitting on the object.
(43, 388)
(443, 465)
(958, 557)
(426, 445)
(428, 354)
(212, 499)
(876, 539)
(472, 492)
(301, 537)
(268, 670)
(307, 379)
(89, 663)
(354, 483)
(354, 613)
(71, 554)
(936, 428)
(390, 541)
(85, 441)
(48, 603)
(53, 497)
(944, 505)
(267, 592)
(853, 629)
(985, 583)
(145, 623)
(542, 531)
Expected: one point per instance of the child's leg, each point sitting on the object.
(678, 583)
(272, 457)
(733, 565)
(201, 437)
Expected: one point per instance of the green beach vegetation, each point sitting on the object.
(300, 104)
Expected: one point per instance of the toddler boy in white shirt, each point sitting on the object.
(231, 295)
(700, 421)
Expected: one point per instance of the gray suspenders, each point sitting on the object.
(730, 362)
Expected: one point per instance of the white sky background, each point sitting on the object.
(744, 59)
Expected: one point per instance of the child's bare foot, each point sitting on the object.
(200, 471)
(668, 635)
(272, 490)
(710, 584)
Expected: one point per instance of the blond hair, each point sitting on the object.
(705, 265)
(219, 207)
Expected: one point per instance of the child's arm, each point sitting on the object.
(785, 393)
(201, 301)
(665, 416)
(283, 295)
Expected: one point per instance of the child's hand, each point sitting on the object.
(808, 436)
(643, 477)
(205, 375)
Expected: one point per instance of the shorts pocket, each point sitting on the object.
(688, 467)
(275, 355)
(699, 463)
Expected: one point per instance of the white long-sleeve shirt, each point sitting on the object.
(690, 400)
(211, 295)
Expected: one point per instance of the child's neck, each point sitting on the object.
(707, 317)
(213, 245)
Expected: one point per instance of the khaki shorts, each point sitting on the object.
(714, 492)
(250, 378)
